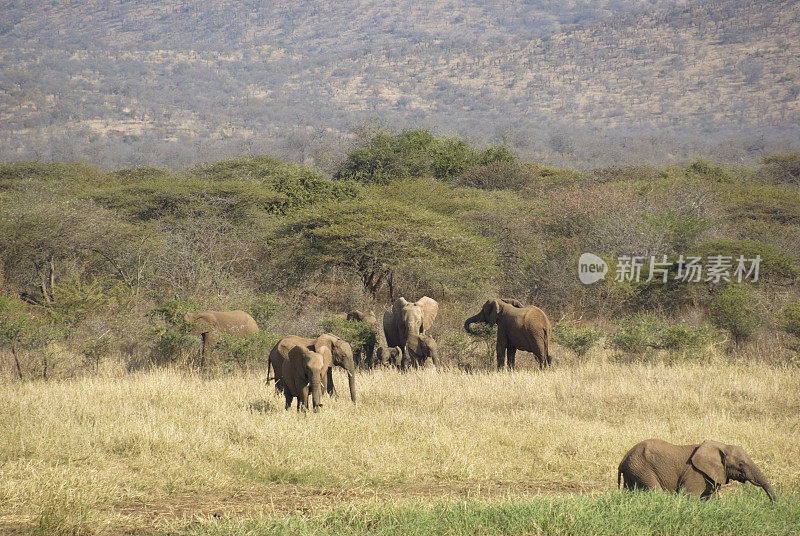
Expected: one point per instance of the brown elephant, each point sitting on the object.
(361, 316)
(210, 324)
(698, 469)
(406, 323)
(388, 356)
(302, 375)
(340, 351)
(420, 348)
(518, 328)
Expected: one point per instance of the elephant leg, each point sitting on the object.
(501, 354)
(512, 357)
(203, 344)
(305, 395)
(288, 399)
(329, 381)
(540, 351)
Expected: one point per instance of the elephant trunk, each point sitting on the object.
(760, 479)
(351, 380)
(316, 391)
(434, 351)
(472, 320)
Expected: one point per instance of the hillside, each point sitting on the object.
(129, 83)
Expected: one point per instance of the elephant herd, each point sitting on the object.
(403, 340)
(303, 368)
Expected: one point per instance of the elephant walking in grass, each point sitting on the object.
(339, 351)
(210, 324)
(697, 469)
(406, 326)
(518, 328)
(302, 375)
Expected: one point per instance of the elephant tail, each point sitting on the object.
(547, 359)
(270, 368)
(619, 479)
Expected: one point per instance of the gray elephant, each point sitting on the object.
(388, 356)
(302, 375)
(361, 316)
(518, 328)
(405, 325)
(341, 356)
(419, 350)
(210, 324)
(697, 469)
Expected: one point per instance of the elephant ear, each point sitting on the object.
(297, 352)
(490, 310)
(511, 301)
(326, 340)
(327, 357)
(709, 459)
(430, 308)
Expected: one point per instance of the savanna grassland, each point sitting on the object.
(108, 424)
(170, 451)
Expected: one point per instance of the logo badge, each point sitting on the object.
(591, 268)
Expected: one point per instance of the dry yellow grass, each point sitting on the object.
(153, 450)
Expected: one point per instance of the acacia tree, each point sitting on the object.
(388, 244)
(14, 327)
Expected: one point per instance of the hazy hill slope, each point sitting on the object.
(309, 25)
(129, 83)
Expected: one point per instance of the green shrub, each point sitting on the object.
(735, 309)
(775, 262)
(235, 189)
(641, 331)
(173, 310)
(174, 345)
(415, 153)
(496, 176)
(791, 318)
(359, 334)
(683, 230)
(710, 171)
(782, 168)
(577, 339)
(486, 334)
(171, 333)
(250, 349)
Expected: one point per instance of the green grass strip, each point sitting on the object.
(745, 512)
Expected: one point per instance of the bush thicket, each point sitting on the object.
(85, 253)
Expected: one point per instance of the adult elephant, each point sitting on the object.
(698, 469)
(518, 328)
(302, 375)
(406, 326)
(340, 351)
(210, 324)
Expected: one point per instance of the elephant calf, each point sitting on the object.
(302, 375)
(698, 469)
(389, 356)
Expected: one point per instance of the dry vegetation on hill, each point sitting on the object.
(131, 83)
